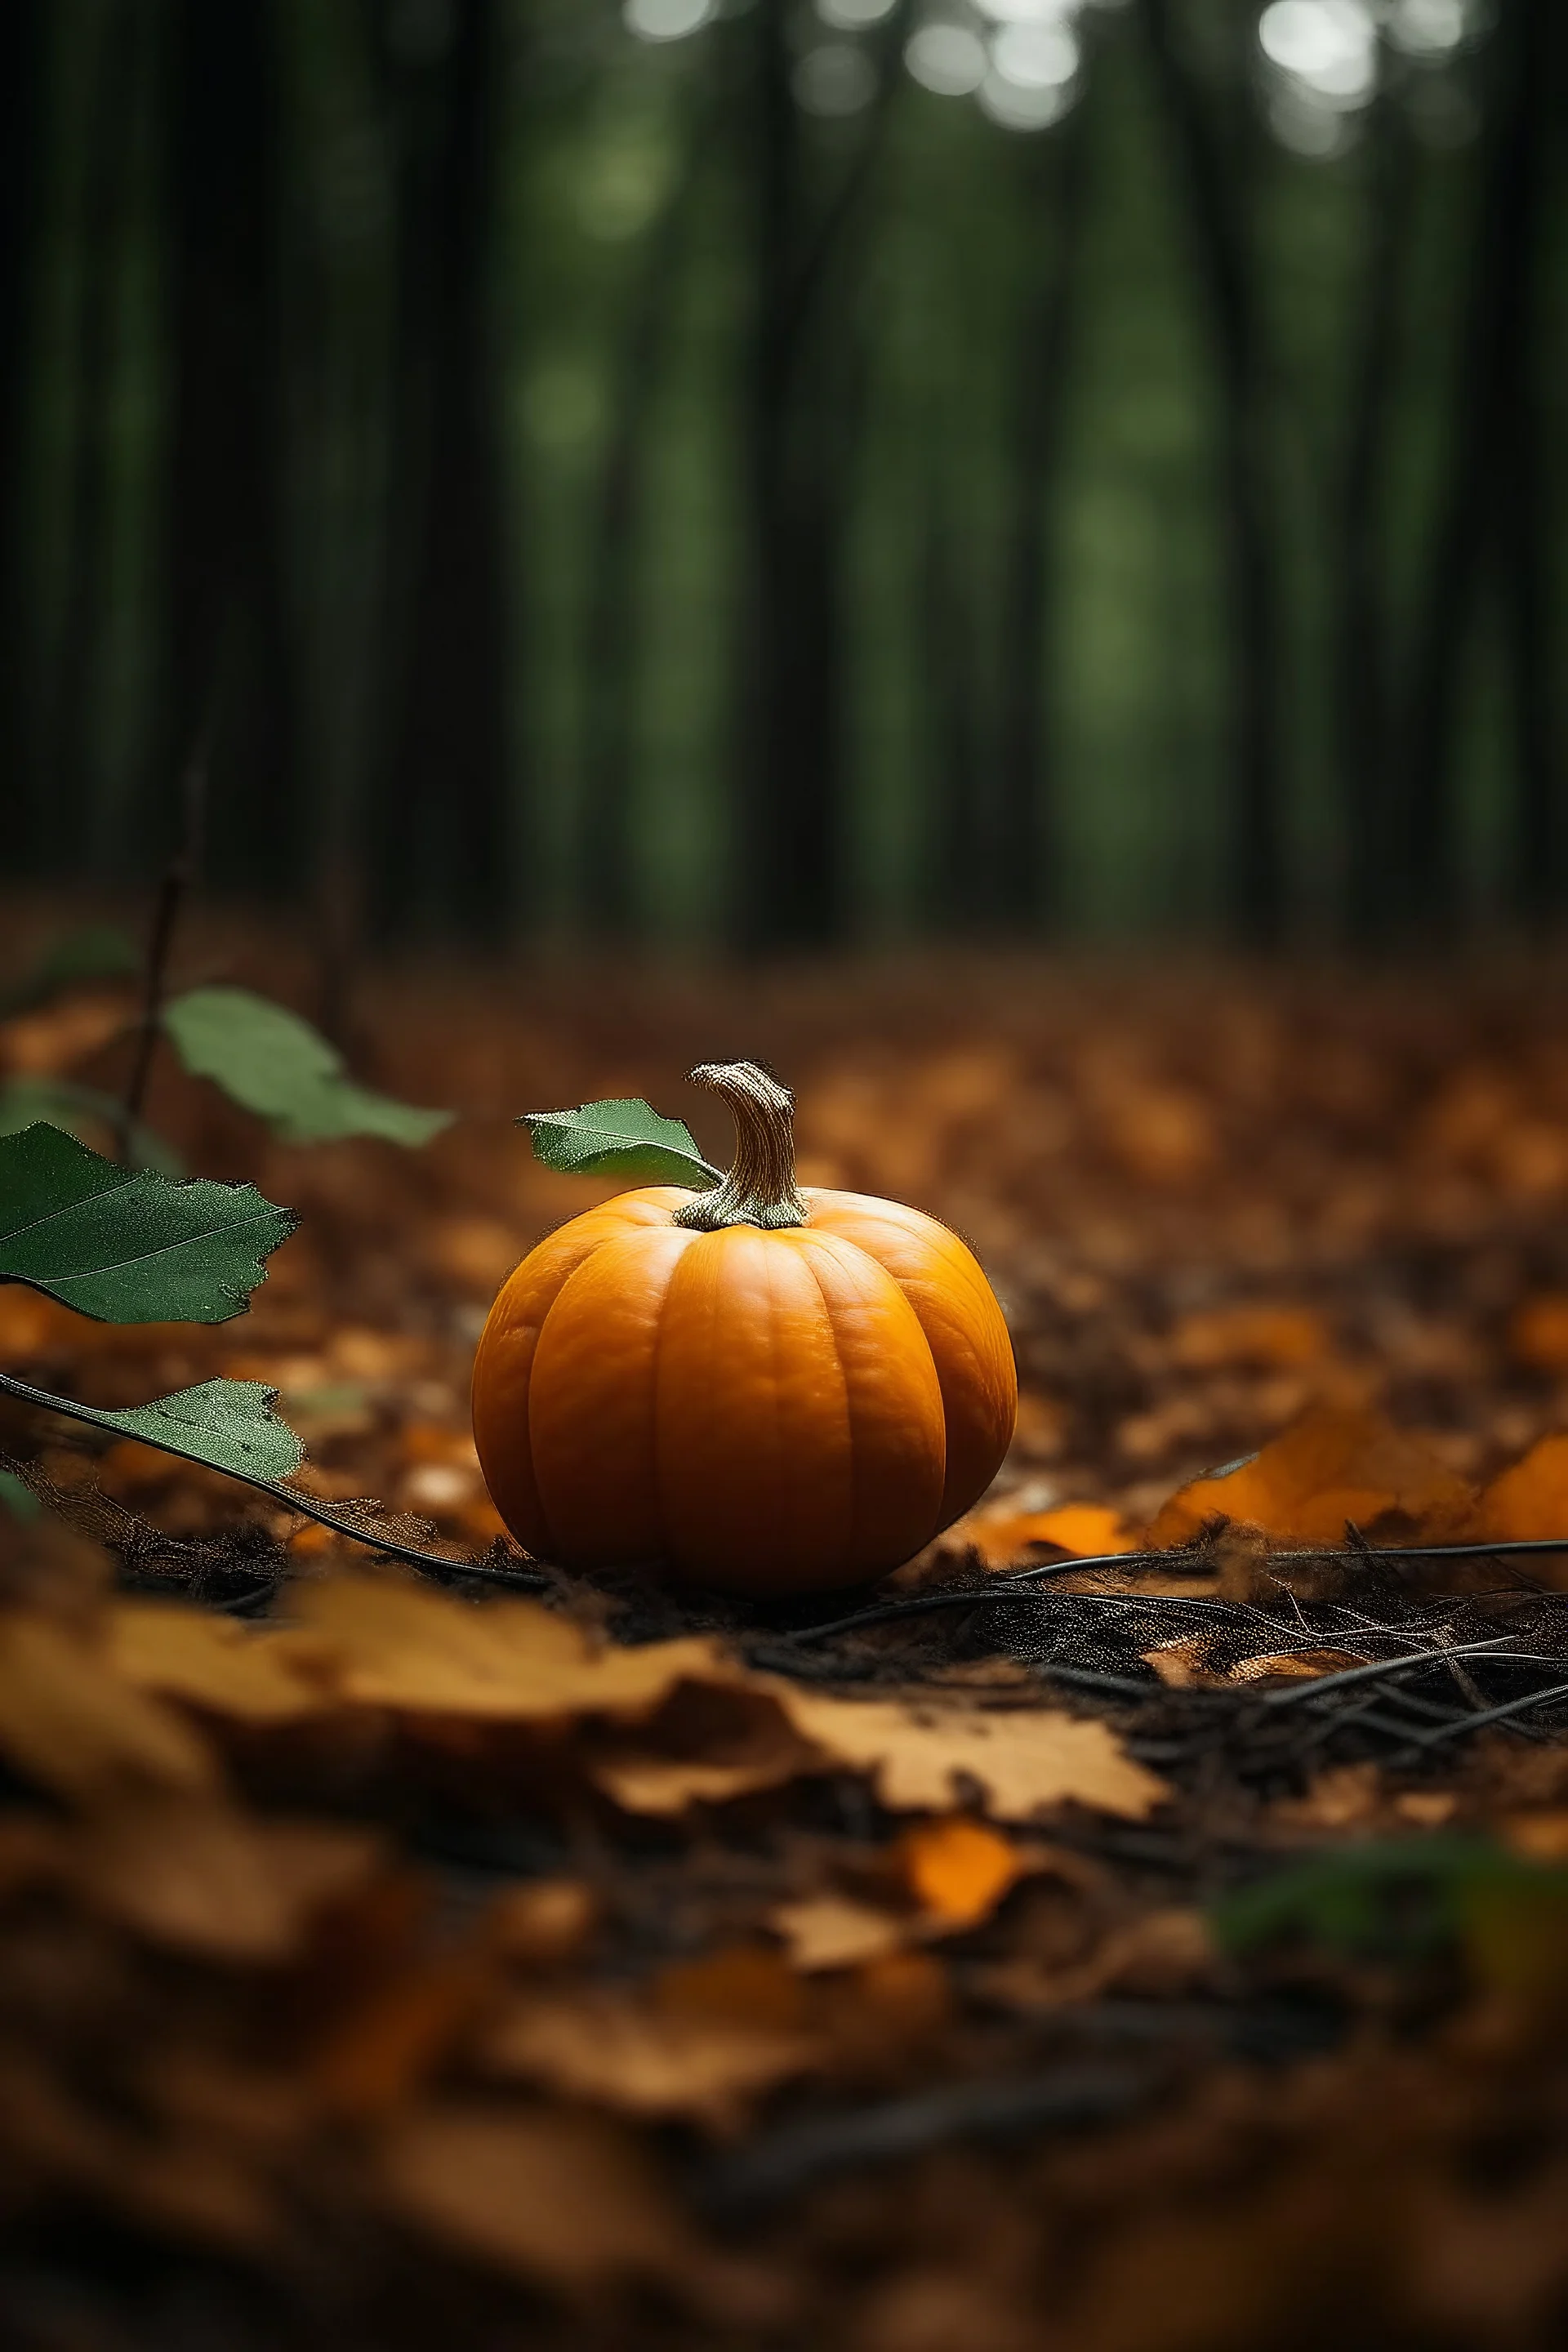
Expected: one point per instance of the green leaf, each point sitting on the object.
(270, 1061)
(97, 952)
(84, 1112)
(227, 1424)
(625, 1138)
(130, 1248)
(1395, 1896)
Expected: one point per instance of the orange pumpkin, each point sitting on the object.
(757, 1388)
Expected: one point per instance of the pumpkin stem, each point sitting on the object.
(760, 1189)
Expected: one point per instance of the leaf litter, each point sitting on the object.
(402, 1956)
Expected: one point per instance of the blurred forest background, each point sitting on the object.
(792, 472)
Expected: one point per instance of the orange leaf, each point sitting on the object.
(1001, 1535)
(1530, 1499)
(1329, 1467)
(958, 1869)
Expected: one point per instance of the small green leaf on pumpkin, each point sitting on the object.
(271, 1062)
(625, 1138)
(128, 1246)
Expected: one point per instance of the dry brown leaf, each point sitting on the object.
(202, 1877)
(958, 1870)
(394, 1644)
(1021, 1761)
(563, 2198)
(706, 1747)
(1161, 1955)
(833, 1931)
(543, 1924)
(69, 1720)
(645, 2061)
(1333, 1465)
(254, 1674)
(394, 2038)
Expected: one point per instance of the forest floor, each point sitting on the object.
(392, 1959)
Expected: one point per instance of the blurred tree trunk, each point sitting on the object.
(1537, 881)
(803, 380)
(1056, 181)
(609, 875)
(225, 573)
(958, 895)
(66, 776)
(22, 75)
(443, 820)
(1490, 500)
(1362, 682)
(1217, 200)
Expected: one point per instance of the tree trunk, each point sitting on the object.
(1217, 208)
(1056, 181)
(22, 80)
(1363, 735)
(444, 828)
(1491, 494)
(609, 877)
(225, 565)
(800, 430)
(67, 779)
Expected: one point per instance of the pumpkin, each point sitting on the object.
(757, 1388)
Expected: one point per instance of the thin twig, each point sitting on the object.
(179, 876)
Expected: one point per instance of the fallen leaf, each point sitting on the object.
(747, 1983)
(1333, 1465)
(705, 1745)
(833, 1931)
(69, 1720)
(255, 1675)
(620, 2053)
(958, 1870)
(543, 1924)
(393, 2040)
(1022, 1760)
(1003, 1535)
(1531, 1500)
(565, 2199)
(394, 1644)
(202, 1877)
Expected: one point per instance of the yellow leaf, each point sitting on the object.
(69, 1721)
(1021, 1761)
(831, 1931)
(253, 1674)
(618, 2052)
(394, 1645)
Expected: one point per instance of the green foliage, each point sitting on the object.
(96, 951)
(84, 1112)
(270, 1061)
(625, 1138)
(129, 1246)
(1389, 1897)
(229, 1424)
